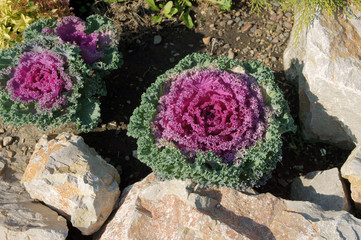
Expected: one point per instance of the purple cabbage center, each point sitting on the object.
(41, 78)
(211, 110)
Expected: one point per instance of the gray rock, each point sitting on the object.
(21, 218)
(67, 175)
(326, 65)
(325, 188)
(351, 170)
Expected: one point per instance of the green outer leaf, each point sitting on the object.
(224, 4)
(35, 29)
(152, 5)
(157, 18)
(167, 7)
(187, 19)
(207, 168)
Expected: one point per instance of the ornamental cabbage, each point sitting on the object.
(214, 120)
(96, 38)
(46, 80)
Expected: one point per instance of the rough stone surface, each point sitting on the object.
(177, 209)
(69, 176)
(351, 170)
(325, 188)
(326, 64)
(21, 218)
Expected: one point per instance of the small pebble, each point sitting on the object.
(135, 154)
(289, 15)
(2, 167)
(298, 167)
(10, 153)
(273, 59)
(229, 22)
(127, 158)
(227, 45)
(7, 141)
(206, 40)
(287, 25)
(2, 130)
(246, 27)
(157, 39)
(230, 54)
(240, 23)
(24, 150)
(275, 40)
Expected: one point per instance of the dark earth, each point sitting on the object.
(237, 33)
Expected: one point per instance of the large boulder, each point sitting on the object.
(21, 218)
(351, 170)
(175, 209)
(325, 188)
(326, 65)
(72, 178)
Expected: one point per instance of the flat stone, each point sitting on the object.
(351, 170)
(325, 188)
(174, 209)
(21, 218)
(67, 175)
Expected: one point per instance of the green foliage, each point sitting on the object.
(16, 15)
(208, 168)
(306, 11)
(170, 9)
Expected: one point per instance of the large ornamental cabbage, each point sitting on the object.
(216, 121)
(55, 77)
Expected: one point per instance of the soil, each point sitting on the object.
(219, 33)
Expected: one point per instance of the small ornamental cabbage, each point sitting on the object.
(50, 81)
(216, 121)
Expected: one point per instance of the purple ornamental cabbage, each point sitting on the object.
(41, 78)
(72, 30)
(211, 110)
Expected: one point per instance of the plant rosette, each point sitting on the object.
(51, 81)
(216, 121)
